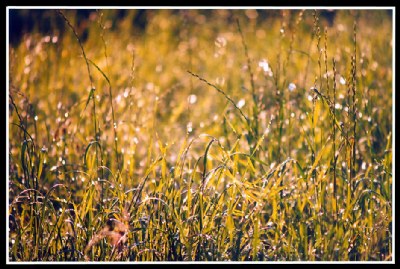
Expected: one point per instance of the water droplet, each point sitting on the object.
(192, 99)
(364, 166)
(264, 65)
(292, 87)
(159, 68)
(28, 60)
(189, 127)
(241, 103)
(53, 168)
(36, 118)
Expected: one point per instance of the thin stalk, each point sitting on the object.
(349, 148)
(308, 59)
(354, 109)
(87, 65)
(292, 37)
(327, 84)
(318, 34)
(92, 88)
(334, 136)
(326, 61)
(131, 99)
(254, 129)
(110, 91)
(190, 52)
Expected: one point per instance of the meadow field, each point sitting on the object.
(200, 135)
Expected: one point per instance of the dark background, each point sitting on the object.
(23, 21)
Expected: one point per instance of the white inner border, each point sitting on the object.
(206, 7)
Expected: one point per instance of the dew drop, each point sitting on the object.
(192, 99)
(241, 103)
(189, 127)
(264, 65)
(292, 87)
(364, 166)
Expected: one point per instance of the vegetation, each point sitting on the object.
(201, 135)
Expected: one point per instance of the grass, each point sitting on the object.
(201, 135)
